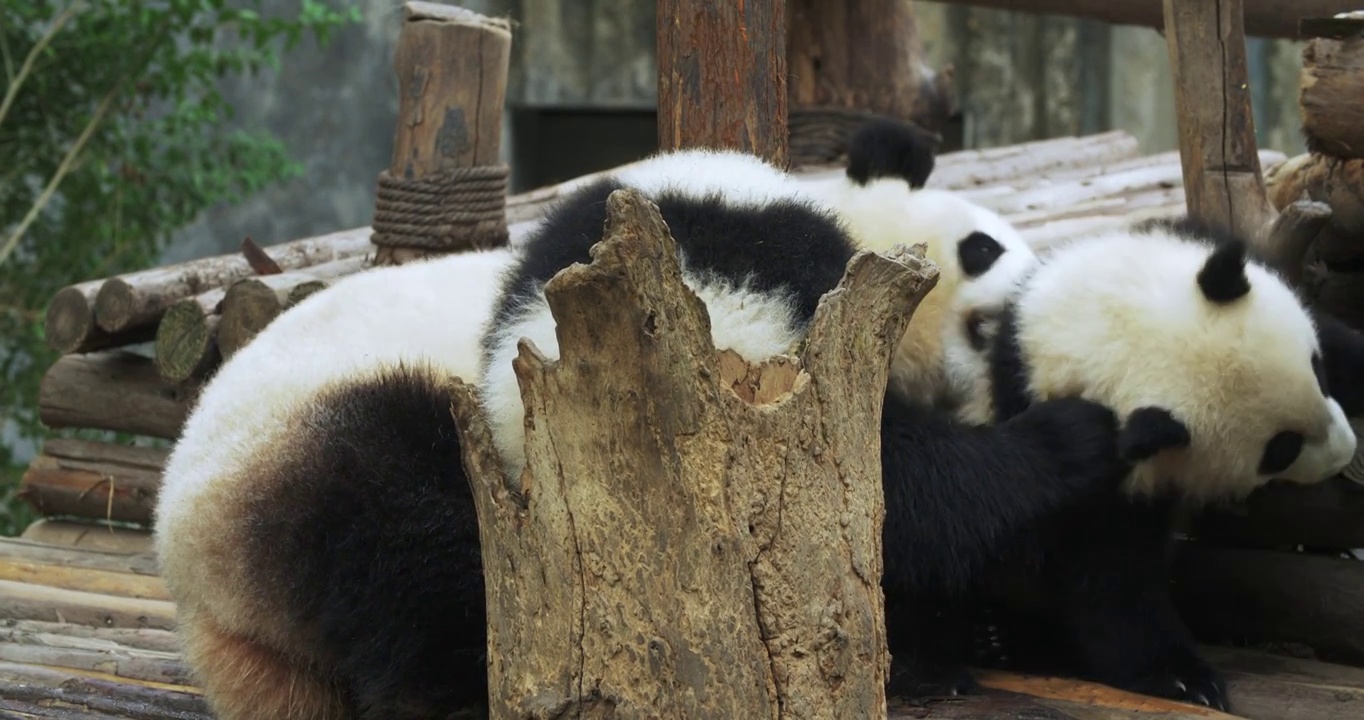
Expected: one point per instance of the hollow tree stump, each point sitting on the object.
(693, 536)
(445, 189)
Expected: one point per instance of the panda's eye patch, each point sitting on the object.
(1280, 452)
(1319, 370)
(978, 253)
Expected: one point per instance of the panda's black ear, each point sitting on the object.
(891, 148)
(1223, 277)
(1149, 430)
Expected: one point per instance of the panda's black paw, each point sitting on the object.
(1194, 682)
(1081, 437)
(989, 647)
(917, 680)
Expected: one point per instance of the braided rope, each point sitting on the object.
(453, 210)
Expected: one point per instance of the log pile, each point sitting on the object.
(1331, 173)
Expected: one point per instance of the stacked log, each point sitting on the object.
(1332, 171)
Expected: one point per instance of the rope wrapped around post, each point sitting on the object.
(457, 209)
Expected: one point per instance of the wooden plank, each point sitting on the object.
(98, 694)
(89, 535)
(60, 634)
(95, 558)
(106, 582)
(722, 76)
(22, 601)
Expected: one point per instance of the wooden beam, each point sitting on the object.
(1264, 18)
(113, 390)
(722, 76)
(1223, 184)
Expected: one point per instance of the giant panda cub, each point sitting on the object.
(314, 525)
(1223, 382)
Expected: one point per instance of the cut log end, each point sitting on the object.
(186, 342)
(418, 11)
(249, 306)
(70, 320)
(116, 305)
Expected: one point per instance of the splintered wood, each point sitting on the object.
(768, 513)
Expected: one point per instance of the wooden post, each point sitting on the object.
(776, 546)
(1222, 181)
(1332, 85)
(857, 55)
(452, 79)
(722, 76)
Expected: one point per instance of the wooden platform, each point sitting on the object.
(86, 633)
(85, 623)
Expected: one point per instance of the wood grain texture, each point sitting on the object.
(113, 390)
(1223, 184)
(85, 535)
(95, 480)
(722, 76)
(1263, 18)
(653, 460)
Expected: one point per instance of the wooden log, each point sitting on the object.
(451, 65)
(722, 76)
(69, 324)
(93, 655)
(94, 480)
(1238, 596)
(596, 598)
(187, 340)
(1332, 82)
(24, 601)
(1328, 515)
(1223, 183)
(1275, 687)
(1291, 237)
(28, 551)
(984, 168)
(859, 55)
(1263, 18)
(139, 299)
(89, 535)
(98, 694)
(113, 390)
(161, 641)
(1338, 183)
(250, 304)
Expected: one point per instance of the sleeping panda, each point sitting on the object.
(1223, 382)
(316, 475)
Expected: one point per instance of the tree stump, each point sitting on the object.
(693, 536)
(445, 190)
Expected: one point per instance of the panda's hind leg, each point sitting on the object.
(245, 680)
(929, 646)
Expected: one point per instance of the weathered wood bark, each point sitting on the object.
(1338, 183)
(860, 55)
(1332, 84)
(722, 76)
(1234, 596)
(1263, 18)
(89, 535)
(131, 638)
(69, 325)
(94, 479)
(187, 342)
(113, 390)
(106, 582)
(451, 65)
(756, 488)
(20, 550)
(140, 298)
(1325, 515)
(1287, 241)
(25, 601)
(1222, 179)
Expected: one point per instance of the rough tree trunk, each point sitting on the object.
(693, 537)
(722, 76)
(1332, 84)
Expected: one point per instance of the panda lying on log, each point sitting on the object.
(1043, 424)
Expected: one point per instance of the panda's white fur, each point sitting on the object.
(754, 324)
(936, 355)
(1120, 319)
(427, 315)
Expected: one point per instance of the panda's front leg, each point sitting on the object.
(1108, 574)
(929, 639)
